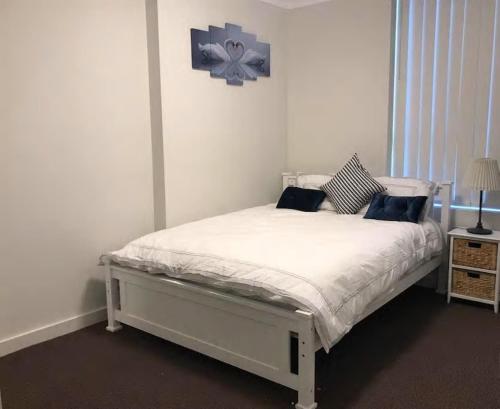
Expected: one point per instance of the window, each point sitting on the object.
(446, 90)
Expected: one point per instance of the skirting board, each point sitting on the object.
(54, 330)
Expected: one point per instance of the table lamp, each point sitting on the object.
(483, 175)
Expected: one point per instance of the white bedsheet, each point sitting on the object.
(331, 265)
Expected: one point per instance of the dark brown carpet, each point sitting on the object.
(416, 352)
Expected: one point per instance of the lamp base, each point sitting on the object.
(478, 230)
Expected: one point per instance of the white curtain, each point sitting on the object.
(446, 90)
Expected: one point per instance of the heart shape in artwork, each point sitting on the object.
(235, 49)
(234, 72)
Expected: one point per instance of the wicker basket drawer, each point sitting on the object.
(473, 284)
(472, 253)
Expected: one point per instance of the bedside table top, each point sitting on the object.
(495, 236)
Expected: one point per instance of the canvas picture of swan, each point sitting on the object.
(230, 53)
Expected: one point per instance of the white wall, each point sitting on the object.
(224, 145)
(75, 155)
(338, 84)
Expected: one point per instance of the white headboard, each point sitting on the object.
(443, 191)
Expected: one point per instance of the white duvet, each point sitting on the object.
(331, 265)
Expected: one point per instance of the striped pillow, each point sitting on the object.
(352, 187)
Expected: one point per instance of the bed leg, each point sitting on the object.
(306, 363)
(112, 299)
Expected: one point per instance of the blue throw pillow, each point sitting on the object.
(395, 208)
(305, 200)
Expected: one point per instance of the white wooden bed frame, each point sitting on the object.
(254, 336)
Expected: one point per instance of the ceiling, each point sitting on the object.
(293, 4)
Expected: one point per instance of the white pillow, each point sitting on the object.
(408, 187)
(314, 182)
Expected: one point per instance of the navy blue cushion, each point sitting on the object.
(305, 200)
(395, 208)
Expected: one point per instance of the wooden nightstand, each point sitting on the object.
(474, 267)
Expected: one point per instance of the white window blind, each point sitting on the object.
(446, 96)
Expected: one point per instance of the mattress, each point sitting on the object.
(331, 265)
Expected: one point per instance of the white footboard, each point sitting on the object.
(250, 335)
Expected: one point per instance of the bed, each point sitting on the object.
(264, 288)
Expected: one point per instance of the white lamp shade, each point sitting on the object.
(483, 174)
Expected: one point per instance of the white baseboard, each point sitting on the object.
(37, 335)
